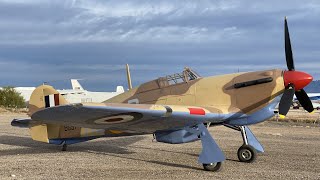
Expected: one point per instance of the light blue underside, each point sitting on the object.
(265, 113)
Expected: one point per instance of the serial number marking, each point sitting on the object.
(69, 128)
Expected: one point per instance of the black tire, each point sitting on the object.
(64, 147)
(247, 153)
(212, 167)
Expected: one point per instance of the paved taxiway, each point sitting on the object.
(292, 152)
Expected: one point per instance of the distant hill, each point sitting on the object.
(313, 87)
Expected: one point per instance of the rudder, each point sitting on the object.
(45, 96)
(42, 97)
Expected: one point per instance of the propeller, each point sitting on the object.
(294, 81)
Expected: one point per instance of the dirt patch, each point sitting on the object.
(292, 151)
(300, 116)
(13, 110)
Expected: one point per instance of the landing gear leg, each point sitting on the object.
(211, 156)
(251, 146)
(64, 147)
(246, 153)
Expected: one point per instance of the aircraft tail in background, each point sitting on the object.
(76, 85)
(120, 89)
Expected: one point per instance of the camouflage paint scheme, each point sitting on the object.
(215, 95)
(175, 108)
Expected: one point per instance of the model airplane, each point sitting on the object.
(174, 108)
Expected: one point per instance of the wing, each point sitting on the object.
(135, 117)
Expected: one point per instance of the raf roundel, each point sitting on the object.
(114, 119)
(117, 118)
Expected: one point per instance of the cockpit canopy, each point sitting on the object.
(185, 76)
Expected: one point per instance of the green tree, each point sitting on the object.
(10, 98)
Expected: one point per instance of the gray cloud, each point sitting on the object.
(56, 40)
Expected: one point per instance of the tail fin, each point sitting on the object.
(120, 89)
(76, 85)
(44, 96)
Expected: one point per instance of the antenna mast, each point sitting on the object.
(128, 77)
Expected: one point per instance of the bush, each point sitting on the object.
(10, 98)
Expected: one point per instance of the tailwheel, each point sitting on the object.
(64, 147)
(247, 153)
(212, 166)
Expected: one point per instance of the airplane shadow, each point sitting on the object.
(178, 152)
(162, 150)
(29, 146)
(150, 161)
(110, 147)
(234, 160)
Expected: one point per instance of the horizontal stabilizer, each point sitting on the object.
(22, 123)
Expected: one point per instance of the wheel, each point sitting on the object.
(64, 147)
(212, 166)
(247, 153)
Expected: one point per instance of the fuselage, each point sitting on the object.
(229, 93)
(236, 99)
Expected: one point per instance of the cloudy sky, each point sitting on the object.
(92, 40)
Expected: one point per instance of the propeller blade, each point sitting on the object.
(288, 49)
(304, 100)
(286, 101)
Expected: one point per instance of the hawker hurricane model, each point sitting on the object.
(174, 108)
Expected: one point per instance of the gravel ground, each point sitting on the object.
(292, 152)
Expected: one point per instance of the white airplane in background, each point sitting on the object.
(25, 92)
(76, 85)
(75, 95)
(78, 94)
(314, 97)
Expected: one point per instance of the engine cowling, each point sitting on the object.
(175, 136)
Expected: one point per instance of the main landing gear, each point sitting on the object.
(247, 153)
(212, 166)
(211, 156)
(251, 146)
